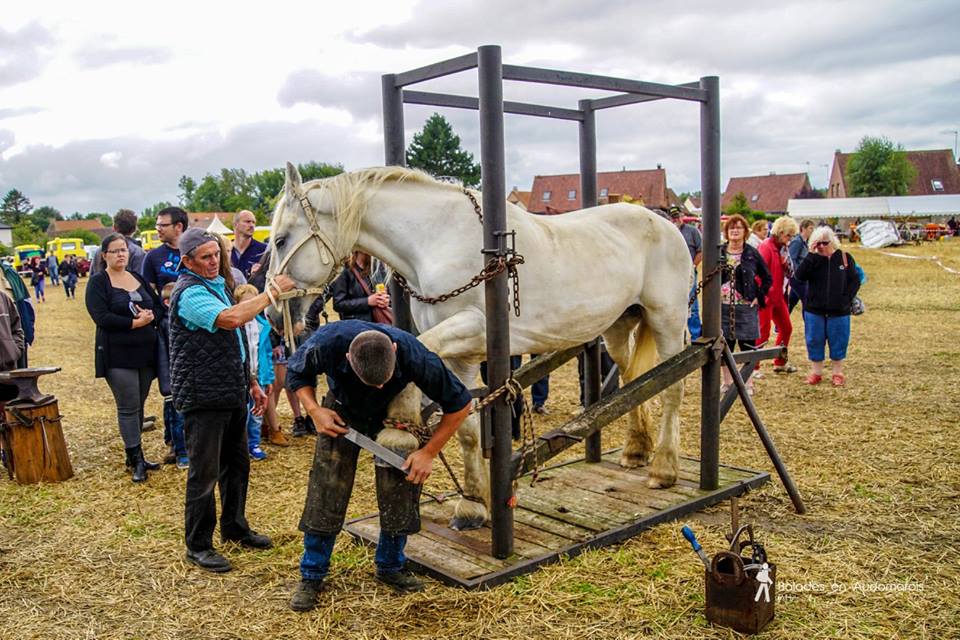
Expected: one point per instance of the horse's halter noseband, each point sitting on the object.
(281, 299)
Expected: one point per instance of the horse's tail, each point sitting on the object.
(644, 354)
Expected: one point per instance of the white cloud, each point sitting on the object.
(111, 159)
(112, 115)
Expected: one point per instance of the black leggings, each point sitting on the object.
(745, 345)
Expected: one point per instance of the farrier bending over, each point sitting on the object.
(210, 381)
(367, 365)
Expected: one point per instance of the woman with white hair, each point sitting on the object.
(832, 284)
(775, 253)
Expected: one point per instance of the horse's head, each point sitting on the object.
(302, 243)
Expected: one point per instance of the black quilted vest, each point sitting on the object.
(206, 370)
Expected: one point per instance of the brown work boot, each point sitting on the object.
(277, 439)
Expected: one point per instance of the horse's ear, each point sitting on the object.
(293, 181)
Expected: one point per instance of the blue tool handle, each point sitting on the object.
(691, 538)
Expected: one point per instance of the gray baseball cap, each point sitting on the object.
(193, 238)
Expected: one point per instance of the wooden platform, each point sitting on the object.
(574, 507)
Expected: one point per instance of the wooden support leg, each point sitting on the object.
(765, 438)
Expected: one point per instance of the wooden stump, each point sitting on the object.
(34, 443)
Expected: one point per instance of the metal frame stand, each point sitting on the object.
(492, 72)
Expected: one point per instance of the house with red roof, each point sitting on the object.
(937, 173)
(561, 193)
(769, 193)
(64, 228)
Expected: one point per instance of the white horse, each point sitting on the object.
(617, 270)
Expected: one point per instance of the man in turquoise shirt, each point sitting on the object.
(210, 383)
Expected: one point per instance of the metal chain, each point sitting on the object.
(476, 205)
(493, 268)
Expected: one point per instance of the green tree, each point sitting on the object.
(25, 232)
(187, 186)
(104, 219)
(87, 236)
(879, 168)
(43, 216)
(15, 207)
(436, 150)
(739, 206)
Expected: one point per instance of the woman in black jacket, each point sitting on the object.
(354, 292)
(832, 284)
(742, 295)
(122, 306)
(69, 272)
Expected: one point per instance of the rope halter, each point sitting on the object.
(281, 299)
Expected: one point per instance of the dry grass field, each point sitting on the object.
(877, 555)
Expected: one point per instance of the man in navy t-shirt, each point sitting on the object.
(162, 264)
(246, 252)
(367, 366)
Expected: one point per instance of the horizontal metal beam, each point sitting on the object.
(759, 354)
(612, 407)
(467, 102)
(590, 81)
(437, 70)
(632, 98)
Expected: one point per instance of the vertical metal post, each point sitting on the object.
(492, 166)
(710, 309)
(394, 148)
(592, 378)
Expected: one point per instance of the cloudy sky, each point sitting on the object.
(105, 105)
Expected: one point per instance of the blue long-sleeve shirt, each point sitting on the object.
(361, 405)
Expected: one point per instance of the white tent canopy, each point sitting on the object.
(217, 226)
(882, 207)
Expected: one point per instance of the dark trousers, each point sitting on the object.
(217, 446)
(331, 483)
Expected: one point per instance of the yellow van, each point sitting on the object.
(23, 254)
(261, 233)
(63, 247)
(150, 239)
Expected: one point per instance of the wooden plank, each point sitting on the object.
(550, 525)
(581, 481)
(615, 405)
(539, 537)
(572, 497)
(478, 540)
(574, 514)
(459, 553)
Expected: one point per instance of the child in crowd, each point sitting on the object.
(172, 419)
(260, 357)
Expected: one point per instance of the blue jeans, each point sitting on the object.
(317, 549)
(819, 329)
(173, 428)
(693, 318)
(254, 423)
(540, 389)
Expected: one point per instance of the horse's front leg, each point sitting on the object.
(457, 341)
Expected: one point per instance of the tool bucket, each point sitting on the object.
(741, 592)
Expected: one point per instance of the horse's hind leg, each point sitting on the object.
(639, 443)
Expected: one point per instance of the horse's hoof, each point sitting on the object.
(460, 523)
(632, 461)
(654, 482)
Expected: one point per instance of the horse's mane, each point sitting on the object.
(351, 192)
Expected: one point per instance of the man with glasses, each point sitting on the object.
(211, 380)
(162, 264)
